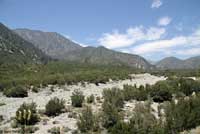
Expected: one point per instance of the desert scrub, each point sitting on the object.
(87, 121)
(55, 106)
(17, 91)
(27, 114)
(77, 98)
(90, 99)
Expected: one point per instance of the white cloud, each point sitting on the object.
(164, 21)
(160, 45)
(156, 4)
(130, 37)
(189, 52)
(154, 33)
(176, 44)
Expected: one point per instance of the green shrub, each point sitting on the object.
(87, 121)
(113, 102)
(142, 122)
(161, 92)
(27, 114)
(110, 115)
(128, 92)
(17, 91)
(55, 106)
(183, 115)
(90, 99)
(161, 95)
(187, 86)
(114, 96)
(132, 92)
(77, 98)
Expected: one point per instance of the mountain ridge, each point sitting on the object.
(70, 51)
(176, 63)
(16, 50)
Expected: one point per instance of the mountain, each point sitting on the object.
(102, 55)
(193, 62)
(51, 43)
(175, 63)
(14, 49)
(57, 46)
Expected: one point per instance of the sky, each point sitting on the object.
(153, 29)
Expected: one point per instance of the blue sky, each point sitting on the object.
(151, 28)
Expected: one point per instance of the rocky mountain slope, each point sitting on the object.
(102, 55)
(175, 63)
(58, 46)
(51, 43)
(16, 50)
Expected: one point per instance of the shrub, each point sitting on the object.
(90, 99)
(114, 96)
(161, 96)
(142, 122)
(128, 92)
(161, 92)
(183, 115)
(110, 115)
(27, 114)
(55, 106)
(187, 86)
(17, 91)
(77, 98)
(132, 92)
(87, 121)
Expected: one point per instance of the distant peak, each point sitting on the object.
(101, 47)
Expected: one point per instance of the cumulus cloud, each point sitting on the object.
(189, 52)
(130, 37)
(165, 46)
(164, 21)
(156, 4)
(160, 45)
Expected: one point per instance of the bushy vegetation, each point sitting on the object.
(142, 122)
(132, 92)
(77, 98)
(60, 73)
(113, 96)
(16, 91)
(160, 92)
(87, 121)
(177, 72)
(113, 102)
(55, 106)
(183, 115)
(27, 114)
